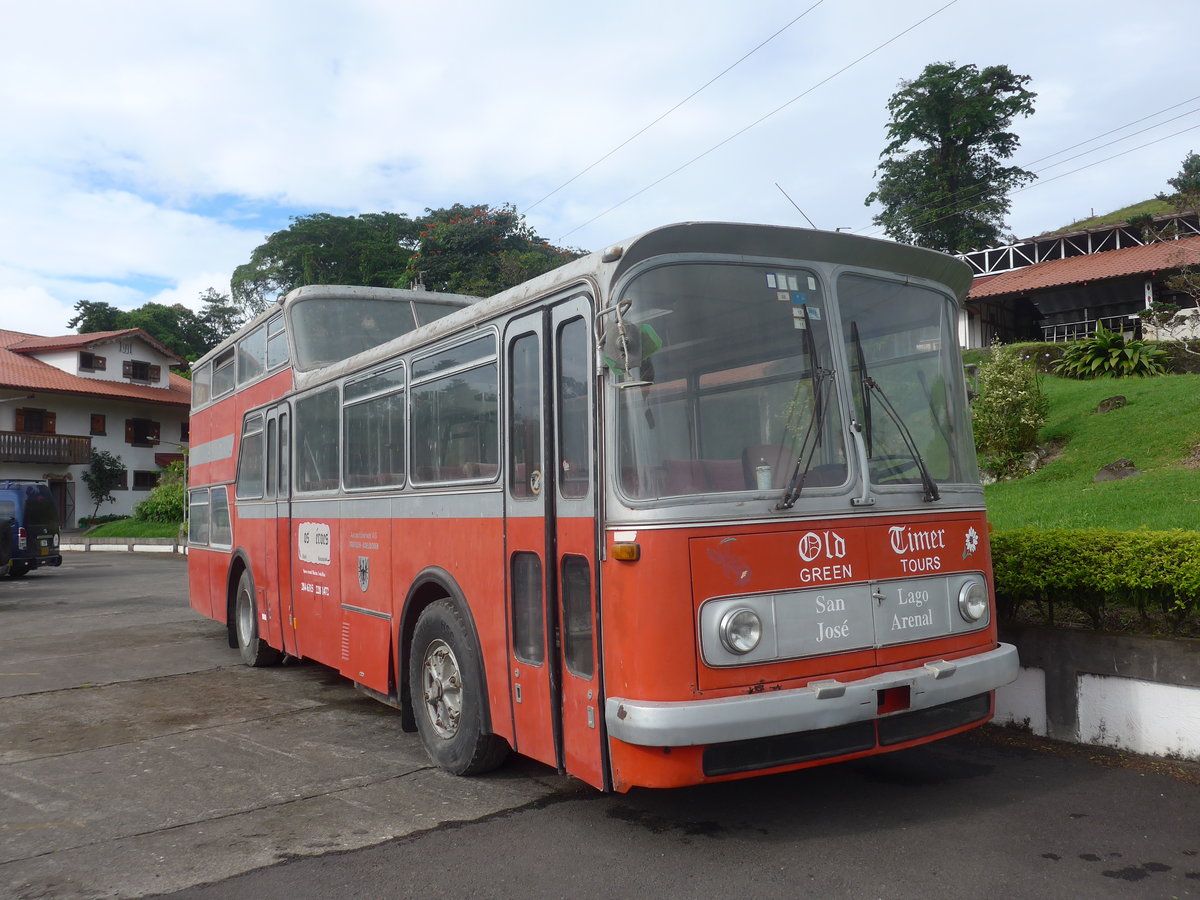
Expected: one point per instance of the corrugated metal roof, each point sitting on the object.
(1142, 260)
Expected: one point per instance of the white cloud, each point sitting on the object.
(159, 143)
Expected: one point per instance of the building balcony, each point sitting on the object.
(53, 449)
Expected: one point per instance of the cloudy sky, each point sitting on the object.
(149, 147)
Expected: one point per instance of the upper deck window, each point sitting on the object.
(328, 329)
(277, 349)
(223, 375)
(252, 355)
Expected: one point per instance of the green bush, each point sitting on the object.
(1109, 353)
(1092, 569)
(1008, 412)
(166, 502)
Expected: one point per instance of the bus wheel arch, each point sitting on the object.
(441, 671)
(242, 618)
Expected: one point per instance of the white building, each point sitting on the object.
(112, 390)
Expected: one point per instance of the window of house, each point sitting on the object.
(34, 421)
(123, 483)
(145, 481)
(90, 362)
(99, 424)
(137, 370)
(142, 432)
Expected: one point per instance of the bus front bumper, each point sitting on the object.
(820, 704)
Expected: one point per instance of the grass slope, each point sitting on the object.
(1153, 207)
(1158, 431)
(135, 529)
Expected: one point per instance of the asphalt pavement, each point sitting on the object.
(139, 757)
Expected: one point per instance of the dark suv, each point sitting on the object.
(32, 515)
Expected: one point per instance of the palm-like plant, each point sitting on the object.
(1109, 353)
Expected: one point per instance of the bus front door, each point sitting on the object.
(278, 551)
(554, 671)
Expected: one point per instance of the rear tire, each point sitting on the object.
(255, 651)
(18, 569)
(445, 676)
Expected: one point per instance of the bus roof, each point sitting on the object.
(729, 239)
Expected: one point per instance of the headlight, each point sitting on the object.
(973, 601)
(741, 630)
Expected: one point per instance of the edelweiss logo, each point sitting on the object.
(971, 544)
(364, 573)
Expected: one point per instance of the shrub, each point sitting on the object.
(1008, 412)
(166, 501)
(1109, 353)
(1093, 568)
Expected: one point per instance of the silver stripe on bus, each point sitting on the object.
(211, 451)
(367, 612)
(433, 505)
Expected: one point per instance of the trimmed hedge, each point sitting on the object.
(1091, 569)
(1178, 361)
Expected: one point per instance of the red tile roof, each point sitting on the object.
(21, 372)
(34, 344)
(1093, 267)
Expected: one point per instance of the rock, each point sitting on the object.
(1115, 471)
(1112, 403)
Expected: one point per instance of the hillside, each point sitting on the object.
(1159, 431)
(1153, 207)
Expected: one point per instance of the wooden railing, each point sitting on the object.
(60, 449)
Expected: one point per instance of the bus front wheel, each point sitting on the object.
(446, 688)
(255, 651)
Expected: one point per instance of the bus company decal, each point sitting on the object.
(313, 542)
(927, 548)
(826, 551)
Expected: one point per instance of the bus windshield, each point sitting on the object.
(728, 385)
(901, 346)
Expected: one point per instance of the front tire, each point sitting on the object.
(255, 651)
(445, 677)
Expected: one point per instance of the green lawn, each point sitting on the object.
(1158, 431)
(133, 528)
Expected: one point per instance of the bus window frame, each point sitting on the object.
(350, 400)
(492, 358)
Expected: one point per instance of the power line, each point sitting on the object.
(936, 207)
(758, 121)
(1073, 171)
(706, 84)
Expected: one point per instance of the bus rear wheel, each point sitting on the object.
(255, 651)
(445, 677)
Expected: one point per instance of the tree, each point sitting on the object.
(1168, 320)
(942, 180)
(481, 250)
(95, 315)
(178, 328)
(476, 250)
(371, 249)
(102, 476)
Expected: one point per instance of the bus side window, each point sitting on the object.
(524, 416)
(574, 448)
(197, 516)
(317, 441)
(250, 459)
(577, 616)
(528, 628)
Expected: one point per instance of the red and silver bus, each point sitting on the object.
(698, 507)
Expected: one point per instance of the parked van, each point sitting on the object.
(34, 525)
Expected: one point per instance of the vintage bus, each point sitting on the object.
(701, 506)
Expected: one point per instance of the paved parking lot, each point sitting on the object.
(138, 756)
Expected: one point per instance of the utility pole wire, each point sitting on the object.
(675, 107)
(758, 121)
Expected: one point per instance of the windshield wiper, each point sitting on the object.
(931, 489)
(821, 378)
